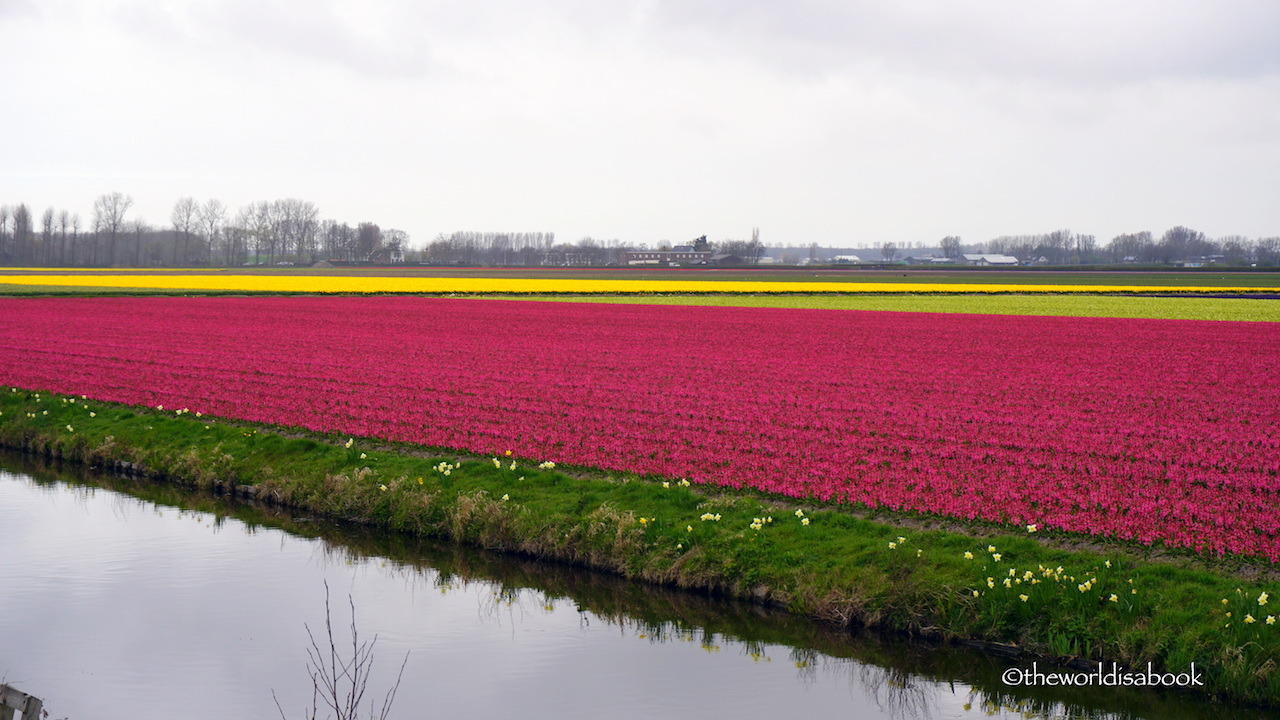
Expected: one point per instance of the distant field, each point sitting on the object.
(1237, 296)
(1115, 306)
(952, 276)
(624, 281)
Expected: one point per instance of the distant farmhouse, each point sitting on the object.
(675, 256)
(726, 259)
(977, 259)
(846, 259)
(930, 260)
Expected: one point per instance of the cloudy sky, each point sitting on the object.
(846, 123)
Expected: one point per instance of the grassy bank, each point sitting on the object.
(1056, 595)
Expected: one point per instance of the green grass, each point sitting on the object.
(1180, 308)
(848, 565)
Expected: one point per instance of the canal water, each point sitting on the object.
(125, 599)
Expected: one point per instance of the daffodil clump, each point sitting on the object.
(1247, 615)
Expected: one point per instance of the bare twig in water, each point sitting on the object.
(341, 682)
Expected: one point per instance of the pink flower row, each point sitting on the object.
(1151, 430)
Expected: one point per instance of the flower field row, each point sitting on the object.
(306, 283)
(1155, 431)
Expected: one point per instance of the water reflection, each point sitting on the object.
(198, 605)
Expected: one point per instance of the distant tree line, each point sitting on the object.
(197, 234)
(290, 230)
(1178, 244)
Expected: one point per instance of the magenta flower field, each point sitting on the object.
(1150, 430)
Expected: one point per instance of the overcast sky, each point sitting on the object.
(845, 123)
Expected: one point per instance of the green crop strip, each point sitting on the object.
(1172, 308)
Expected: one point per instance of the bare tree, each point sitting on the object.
(185, 222)
(139, 228)
(299, 223)
(1086, 248)
(396, 242)
(213, 214)
(951, 246)
(108, 219)
(64, 222)
(368, 239)
(1236, 249)
(1267, 251)
(4, 233)
(1133, 247)
(266, 230)
(889, 250)
(75, 232)
(46, 237)
(1179, 243)
(22, 237)
(244, 242)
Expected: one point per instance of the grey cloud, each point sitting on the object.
(310, 31)
(1092, 42)
(313, 33)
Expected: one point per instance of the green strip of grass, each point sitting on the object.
(1050, 593)
(1174, 308)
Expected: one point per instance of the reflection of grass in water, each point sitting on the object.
(659, 614)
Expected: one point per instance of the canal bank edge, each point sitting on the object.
(1073, 600)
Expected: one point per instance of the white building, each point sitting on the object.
(987, 259)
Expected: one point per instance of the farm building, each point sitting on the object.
(676, 255)
(989, 259)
